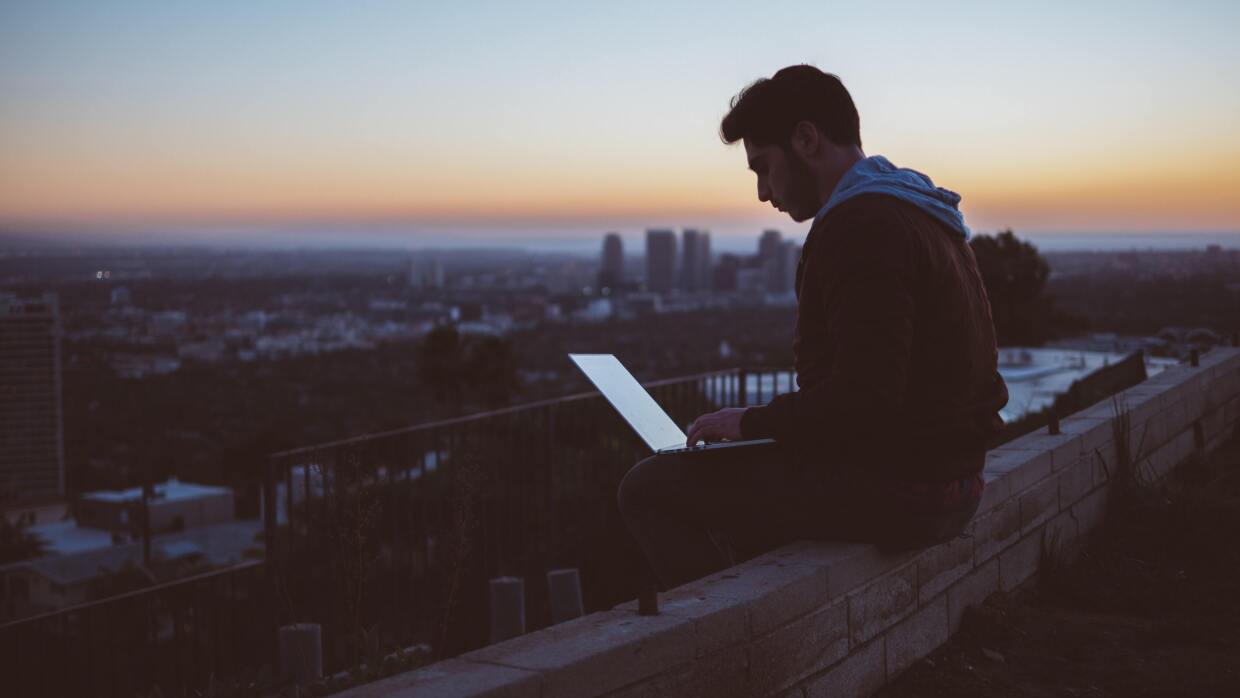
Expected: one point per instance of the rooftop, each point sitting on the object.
(1036, 376)
(172, 490)
(221, 544)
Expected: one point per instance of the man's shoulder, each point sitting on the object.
(873, 208)
(869, 220)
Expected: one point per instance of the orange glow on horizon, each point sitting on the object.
(1193, 190)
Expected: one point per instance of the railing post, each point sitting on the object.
(743, 388)
(271, 566)
(269, 509)
(648, 600)
(301, 652)
(564, 589)
(507, 608)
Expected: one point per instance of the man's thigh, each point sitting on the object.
(741, 485)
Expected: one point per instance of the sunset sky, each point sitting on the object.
(570, 118)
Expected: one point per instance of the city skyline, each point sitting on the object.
(164, 124)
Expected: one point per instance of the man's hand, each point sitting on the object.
(724, 425)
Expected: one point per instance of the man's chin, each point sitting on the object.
(798, 217)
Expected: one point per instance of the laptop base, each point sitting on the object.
(715, 445)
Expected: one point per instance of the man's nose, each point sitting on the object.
(764, 193)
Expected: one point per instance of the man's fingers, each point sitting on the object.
(693, 430)
(707, 427)
(699, 430)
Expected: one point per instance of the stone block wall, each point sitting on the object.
(841, 619)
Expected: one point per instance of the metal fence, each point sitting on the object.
(215, 628)
(390, 538)
(385, 540)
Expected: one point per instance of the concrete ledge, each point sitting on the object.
(824, 618)
(454, 678)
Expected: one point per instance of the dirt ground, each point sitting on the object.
(1148, 606)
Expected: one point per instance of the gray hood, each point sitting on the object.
(876, 175)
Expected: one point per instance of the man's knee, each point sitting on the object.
(637, 486)
(661, 481)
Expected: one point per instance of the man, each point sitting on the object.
(895, 353)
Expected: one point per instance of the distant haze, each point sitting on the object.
(588, 243)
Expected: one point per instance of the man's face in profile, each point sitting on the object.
(783, 179)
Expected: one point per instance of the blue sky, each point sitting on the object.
(569, 118)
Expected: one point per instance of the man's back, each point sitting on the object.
(885, 440)
(895, 347)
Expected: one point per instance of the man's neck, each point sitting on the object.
(831, 179)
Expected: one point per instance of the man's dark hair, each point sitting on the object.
(767, 111)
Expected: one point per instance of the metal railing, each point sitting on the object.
(448, 505)
(214, 627)
(386, 540)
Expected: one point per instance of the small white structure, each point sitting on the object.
(1035, 376)
(173, 505)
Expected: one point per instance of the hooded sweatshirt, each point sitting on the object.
(876, 175)
(894, 343)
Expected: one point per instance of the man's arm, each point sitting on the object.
(867, 296)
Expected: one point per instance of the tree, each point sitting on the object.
(1015, 277)
(491, 371)
(16, 543)
(440, 364)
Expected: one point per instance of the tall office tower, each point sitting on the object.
(769, 244)
(660, 260)
(32, 459)
(611, 272)
(771, 260)
(695, 268)
(704, 262)
(790, 255)
(426, 273)
(724, 274)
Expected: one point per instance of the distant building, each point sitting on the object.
(752, 281)
(78, 576)
(166, 324)
(206, 351)
(597, 310)
(426, 273)
(174, 505)
(769, 244)
(1035, 376)
(611, 271)
(695, 268)
(637, 304)
(771, 259)
(724, 273)
(660, 261)
(32, 461)
(790, 257)
(142, 365)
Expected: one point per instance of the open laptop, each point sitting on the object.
(640, 410)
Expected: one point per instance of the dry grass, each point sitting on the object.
(1147, 606)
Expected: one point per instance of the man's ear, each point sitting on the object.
(806, 139)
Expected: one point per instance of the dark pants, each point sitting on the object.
(698, 512)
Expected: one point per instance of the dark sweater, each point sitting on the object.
(895, 349)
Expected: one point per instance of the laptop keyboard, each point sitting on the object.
(683, 449)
